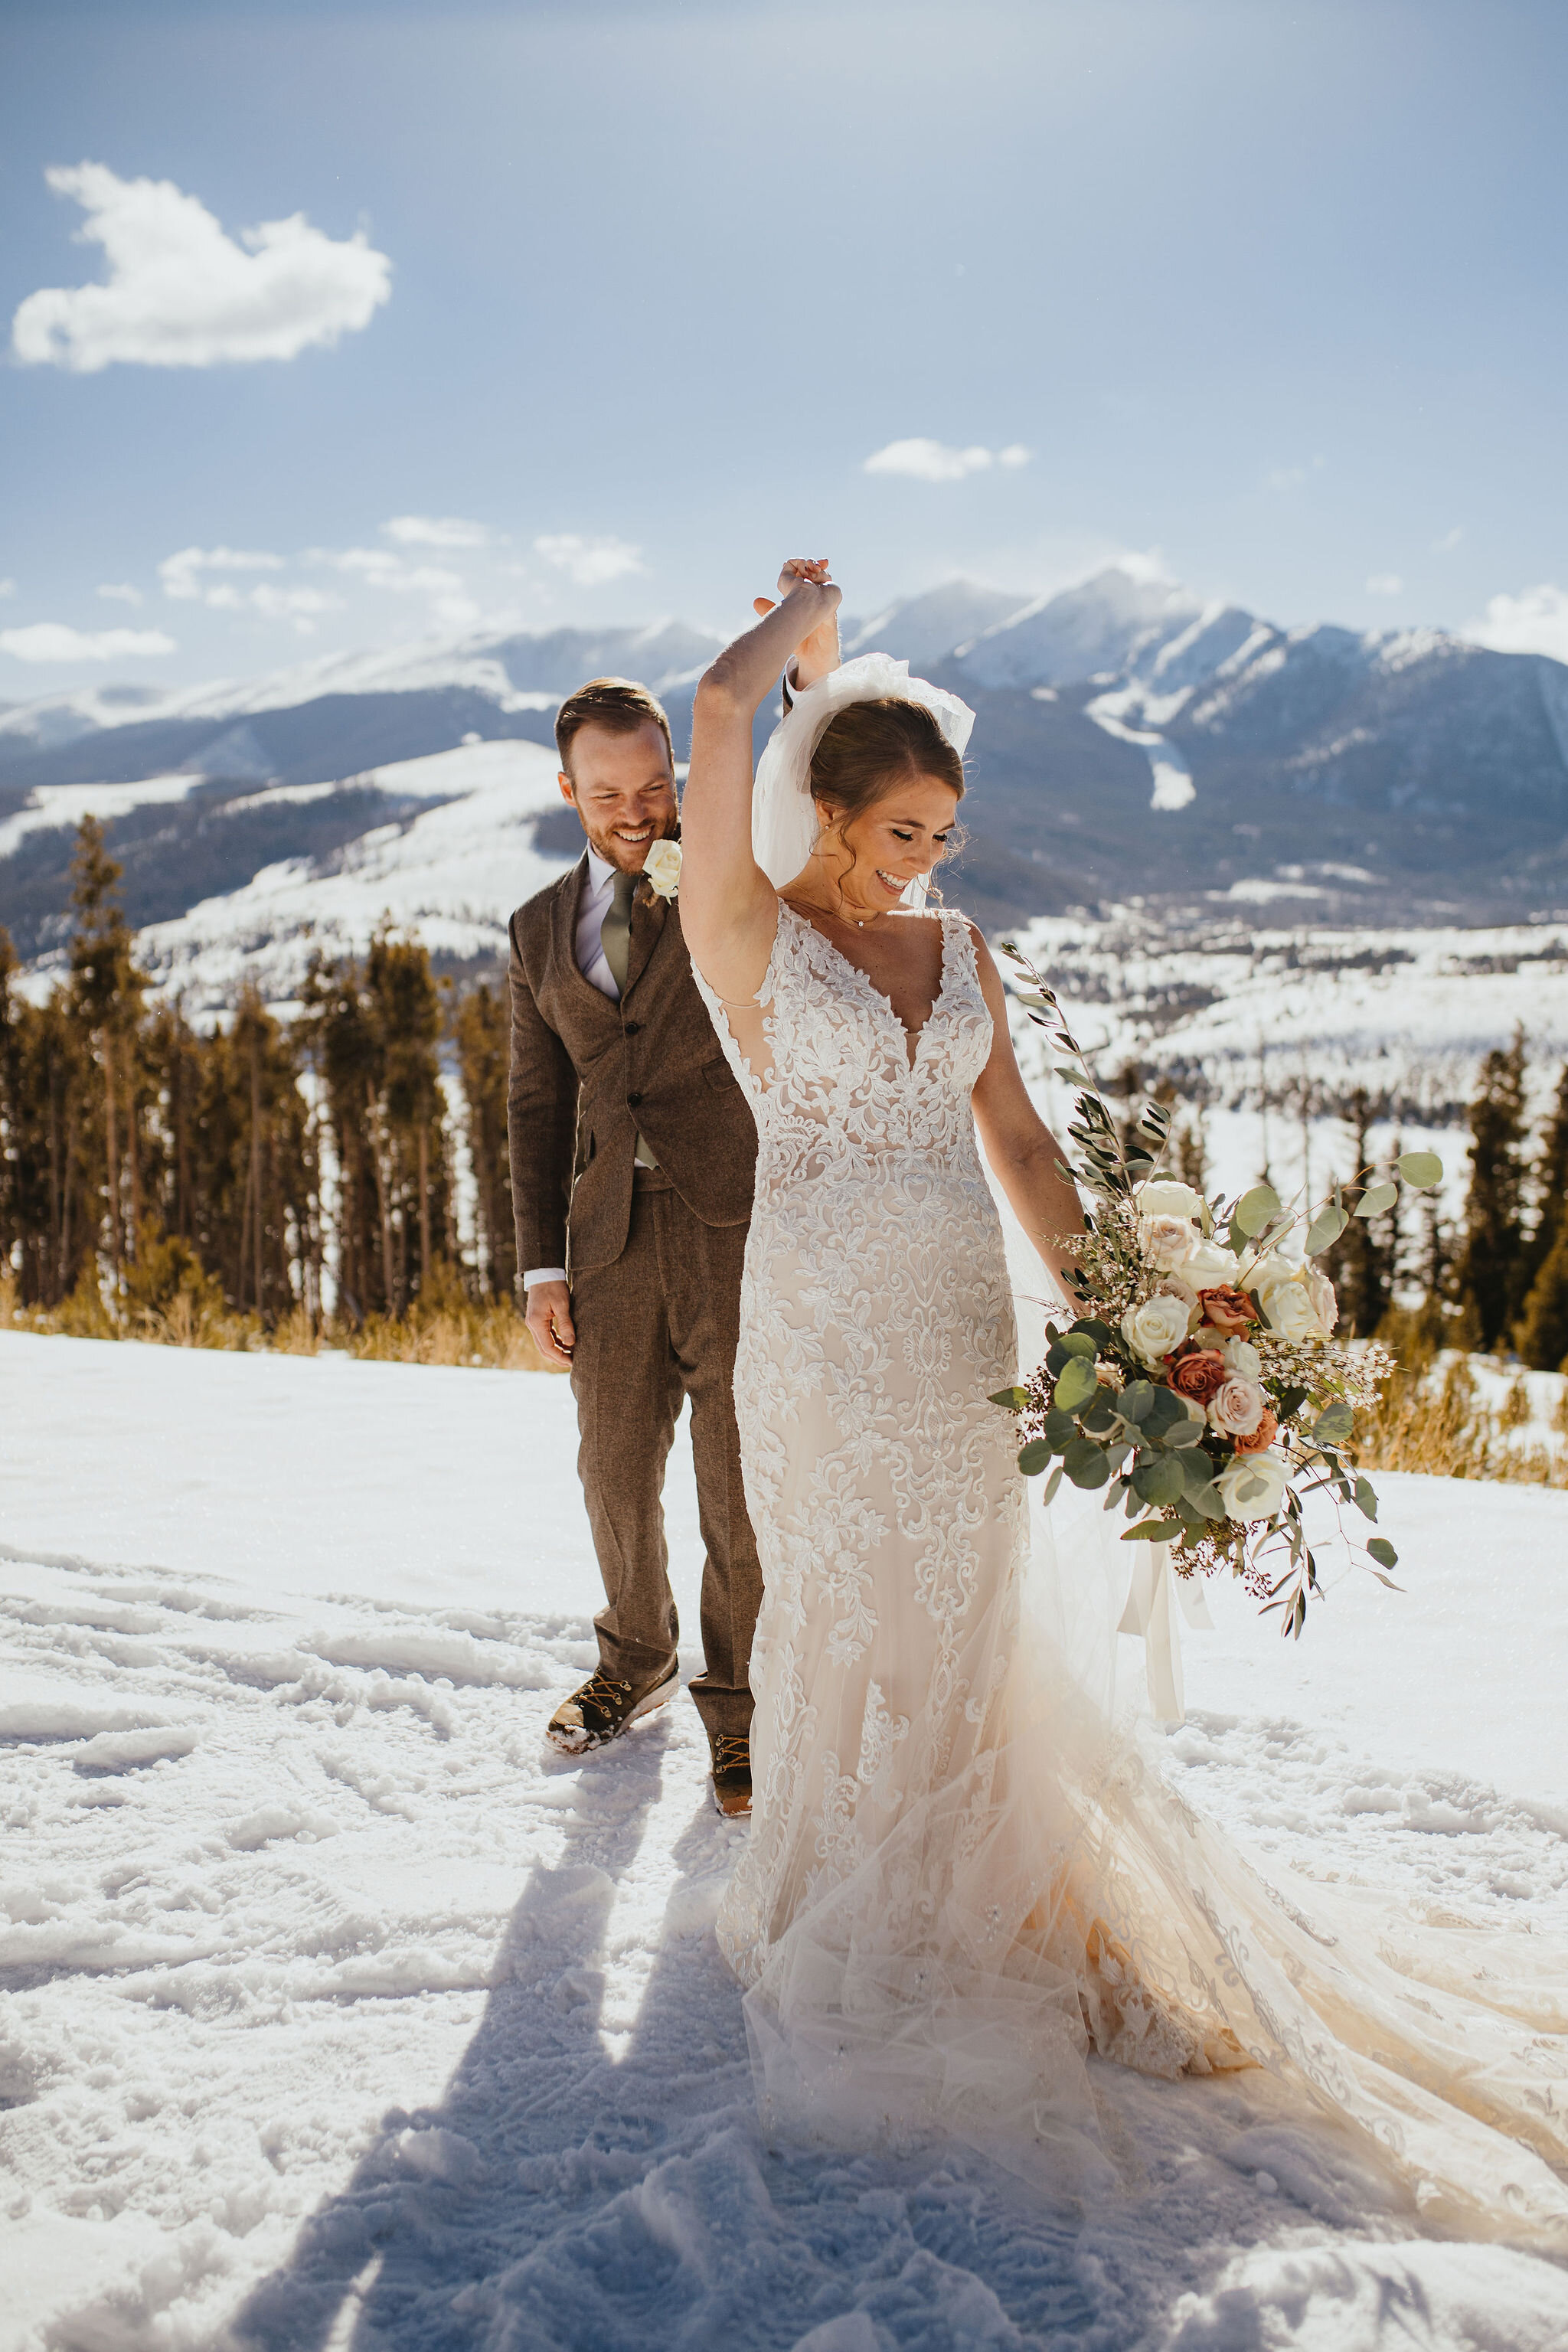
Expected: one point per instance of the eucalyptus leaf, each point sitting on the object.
(1325, 1229)
(1376, 1199)
(1366, 1498)
(1135, 1400)
(1159, 1481)
(1052, 1483)
(1093, 1329)
(1254, 1209)
(1186, 1431)
(1334, 1424)
(1155, 1531)
(1015, 1400)
(1085, 1463)
(1034, 1457)
(1421, 1169)
(1060, 1430)
(1076, 1384)
(1078, 1342)
(1382, 1551)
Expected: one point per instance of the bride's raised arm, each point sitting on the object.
(729, 909)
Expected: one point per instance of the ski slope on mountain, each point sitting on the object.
(338, 2010)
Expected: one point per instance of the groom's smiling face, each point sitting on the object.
(622, 788)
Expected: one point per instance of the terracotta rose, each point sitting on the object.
(1266, 1431)
(1199, 1375)
(1229, 1309)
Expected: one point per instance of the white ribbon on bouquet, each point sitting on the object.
(1149, 1611)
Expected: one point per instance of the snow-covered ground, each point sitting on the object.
(338, 2012)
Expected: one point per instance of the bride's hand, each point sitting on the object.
(817, 653)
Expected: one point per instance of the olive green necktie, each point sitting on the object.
(616, 944)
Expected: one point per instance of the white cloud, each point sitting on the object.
(180, 573)
(1385, 583)
(588, 561)
(7, 587)
(436, 531)
(451, 606)
(1533, 621)
(51, 641)
(120, 592)
(1450, 540)
(181, 293)
(1290, 477)
(933, 461)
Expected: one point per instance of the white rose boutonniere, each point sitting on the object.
(662, 867)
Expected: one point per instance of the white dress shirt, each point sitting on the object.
(598, 888)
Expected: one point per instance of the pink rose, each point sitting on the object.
(1166, 1241)
(1237, 1408)
(1266, 1431)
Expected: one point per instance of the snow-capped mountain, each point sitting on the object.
(1131, 743)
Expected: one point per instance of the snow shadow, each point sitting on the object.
(594, 2180)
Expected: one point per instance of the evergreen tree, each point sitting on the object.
(1542, 1335)
(1488, 1276)
(481, 1032)
(106, 991)
(1363, 1263)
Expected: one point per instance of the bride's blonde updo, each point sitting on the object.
(870, 748)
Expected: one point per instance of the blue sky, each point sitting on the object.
(1273, 291)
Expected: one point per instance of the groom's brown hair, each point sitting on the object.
(618, 705)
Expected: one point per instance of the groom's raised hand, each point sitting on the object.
(549, 1322)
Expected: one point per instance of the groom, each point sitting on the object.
(633, 1152)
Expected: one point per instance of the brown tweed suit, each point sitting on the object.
(654, 1259)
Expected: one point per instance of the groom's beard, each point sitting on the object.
(630, 856)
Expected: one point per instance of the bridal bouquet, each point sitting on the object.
(1202, 1382)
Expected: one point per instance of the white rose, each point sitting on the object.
(1320, 1291)
(1165, 1242)
(1152, 1329)
(1165, 1198)
(662, 866)
(1253, 1485)
(1270, 1270)
(1236, 1409)
(1175, 1285)
(1208, 1264)
(1242, 1360)
(1290, 1312)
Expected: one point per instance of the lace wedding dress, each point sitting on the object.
(964, 1873)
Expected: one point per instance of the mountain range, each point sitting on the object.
(1132, 745)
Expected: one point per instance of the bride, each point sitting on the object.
(965, 1872)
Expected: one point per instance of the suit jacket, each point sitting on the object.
(588, 1074)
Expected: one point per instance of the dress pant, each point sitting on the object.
(659, 1324)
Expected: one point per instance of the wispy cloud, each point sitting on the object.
(1291, 478)
(7, 587)
(436, 531)
(181, 573)
(181, 293)
(120, 592)
(1447, 540)
(1385, 583)
(186, 575)
(922, 460)
(451, 606)
(52, 641)
(1533, 621)
(590, 562)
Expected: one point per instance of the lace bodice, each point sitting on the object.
(843, 1092)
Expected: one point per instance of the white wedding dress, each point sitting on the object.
(964, 1873)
